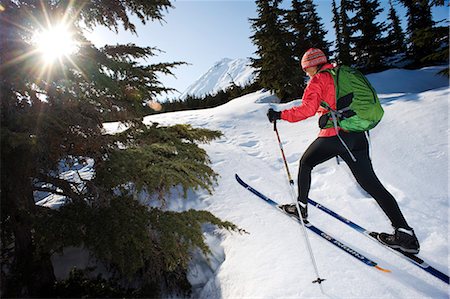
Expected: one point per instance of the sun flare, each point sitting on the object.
(55, 43)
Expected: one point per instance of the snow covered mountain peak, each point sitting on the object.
(221, 76)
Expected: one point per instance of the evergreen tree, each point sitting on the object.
(52, 120)
(428, 42)
(299, 41)
(337, 31)
(315, 28)
(420, 24)
(298, 25)
(306, 28)
(369, 45)
(276, 64)
(395, 39)
(345, 48)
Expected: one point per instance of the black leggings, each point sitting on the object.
(325, 148)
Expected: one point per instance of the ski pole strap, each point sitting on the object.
(335, 115)
(340, 138)
(340, 113)
(370, 144)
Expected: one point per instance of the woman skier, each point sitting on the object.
(321, 87)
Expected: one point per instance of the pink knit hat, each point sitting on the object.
(313, 57)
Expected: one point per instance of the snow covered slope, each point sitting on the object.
(221, 76)
(410, 155)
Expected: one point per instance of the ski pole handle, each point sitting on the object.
(275, 125)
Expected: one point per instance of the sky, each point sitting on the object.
(204, 32)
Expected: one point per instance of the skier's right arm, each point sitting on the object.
(310, 103)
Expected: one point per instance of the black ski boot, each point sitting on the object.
(292, 209)
(403, 239)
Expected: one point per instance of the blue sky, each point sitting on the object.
(203, 32)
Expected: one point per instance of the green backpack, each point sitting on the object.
(358, 108)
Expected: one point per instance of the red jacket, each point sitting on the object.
(320, 88)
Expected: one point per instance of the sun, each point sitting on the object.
(55, 43)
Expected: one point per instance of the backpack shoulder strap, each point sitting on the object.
(333, 71)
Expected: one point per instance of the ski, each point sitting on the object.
(414, 259)
(315, 229)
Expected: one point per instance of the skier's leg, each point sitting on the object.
(404, 237)
(363, 171)
(321, 150)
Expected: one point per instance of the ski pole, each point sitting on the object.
(294, 198)
(291, 181)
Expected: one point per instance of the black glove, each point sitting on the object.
(273, 115)
(323, 120)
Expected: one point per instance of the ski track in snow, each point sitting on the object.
(410, 155)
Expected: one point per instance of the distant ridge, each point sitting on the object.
(221, 76)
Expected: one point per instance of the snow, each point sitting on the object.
(221, 76)
(76, 172)
(410, 156)
(270, 259)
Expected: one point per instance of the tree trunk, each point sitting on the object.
(31, 273)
